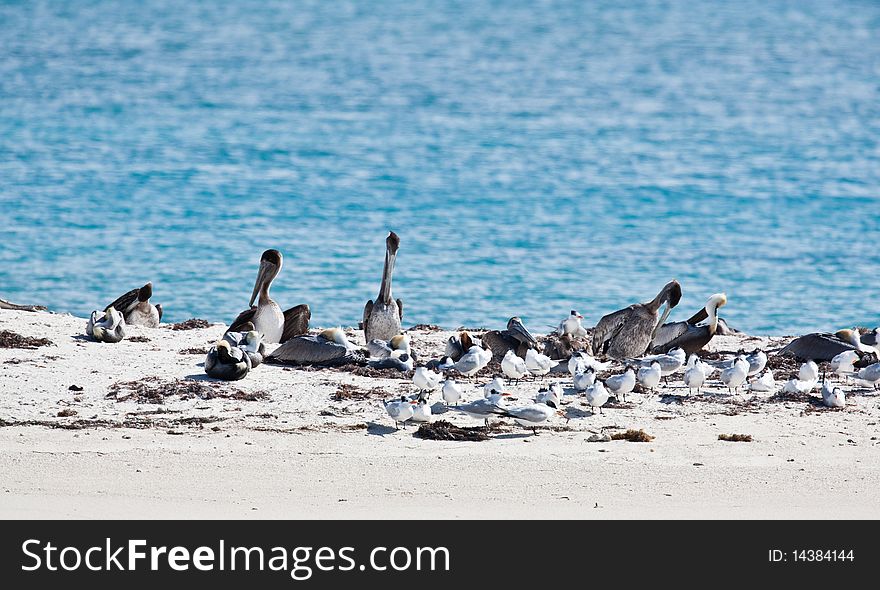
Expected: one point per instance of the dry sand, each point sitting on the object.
(279, 445)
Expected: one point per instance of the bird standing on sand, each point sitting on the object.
(451, 392)
(649, 377)
(473, 361)
(694, 374)
(628, 332)
(513, 367)
(425, 379)
(483, 408)
(382, 318)
(421, 411)
(136, 308)
(400, 410)
(537, 363)
(597, 395)
(870, 375)
(736, 375)
(532, 415)
(266, 316)
(494, 386)
(620, 385)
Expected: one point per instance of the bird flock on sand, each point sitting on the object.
(634, 347)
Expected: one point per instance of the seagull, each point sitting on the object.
(473, 361)
(572, 326)
(597, 395)
(494, 386)
(421, 411)
(765, 382)
(649, 377)
(483, 408)
(798, 386)
(451, 392)
(584, 379)
(870, 374)
(670, 362)
(809, 371)
(694, 375)
(532, 415)
(736, 375)
(400, 410)
(833, 397)
(109, 328)
(842, 364)
(537, 363)
(622, 384)
(426, 380)
(513, 366)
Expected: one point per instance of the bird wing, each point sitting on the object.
(312, 350)
(125, 303)
(608, 327)
(296, 322)
(669, 332)
(400, 308)
(693, 339)
(816, 347)
(368, 311)
(243, 318)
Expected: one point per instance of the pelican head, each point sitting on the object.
(400, 342)
(392, 244)
(336, 335)
(850, 336)
(715, 301)
(270, 265)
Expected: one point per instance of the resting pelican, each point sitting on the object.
(250, 342)
(136, 308)
(516, 338)
(688, 335)
(382, 318)
(822, 346)
(327, 349)
(266, 316)
(628, 332)
(227, 362)
(109, 328)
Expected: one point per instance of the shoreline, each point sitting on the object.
(286, 442)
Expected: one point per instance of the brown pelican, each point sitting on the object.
(227, 362)
(250, 342)
(266, 316)
(688, 335)
(136, 308)
(329, 348)
(109, 328)
(382, 318)
(628, 332)
(821, 346)
(516, 338)
(458, 344)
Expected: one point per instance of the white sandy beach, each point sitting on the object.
(278, 444)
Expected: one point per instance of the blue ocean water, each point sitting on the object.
(533, 156)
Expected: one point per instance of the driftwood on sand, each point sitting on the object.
(14, 306)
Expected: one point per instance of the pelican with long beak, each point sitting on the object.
(266, 316)
(822, 346)
(136, 308)
(688, 335)
(628, 332)
(109, 328)
(382, 318)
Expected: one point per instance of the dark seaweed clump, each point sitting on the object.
(12, 340)
(443, 430)
(191, 324)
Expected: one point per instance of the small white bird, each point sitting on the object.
(577, 364)
(483, 408)
(621, 384)
(425, 379)
(513, 367)
(421, 411)
(538, 364)
(765, 382)
(451, 392)
(798, 386)
(757, 361)
(530, 416)
(649, 377)
(572, 326)
(842, 364)
(736, 375)
(833, 397)
(670, 362)
(400, 410)
(494, 386)
(473, 361)
(809, 371)
(551, 396)
(580, 359)
(870, 375)
(597, 395)
(694, 375)
(584, 379)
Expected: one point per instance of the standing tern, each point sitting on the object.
(513, 367)
(649, 377)
(622, 384)
(597, 395)
(451, 392)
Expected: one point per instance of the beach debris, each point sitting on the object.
(152, 390)
(633, 436)
(75, 388)
(735, 437)
(139, 339)
(443, 430)
(16, 307)
(67, 413)
(603, 437)
(425, 328)
(347, 391)
(10, 339)
(191, 324)
(193, 351)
